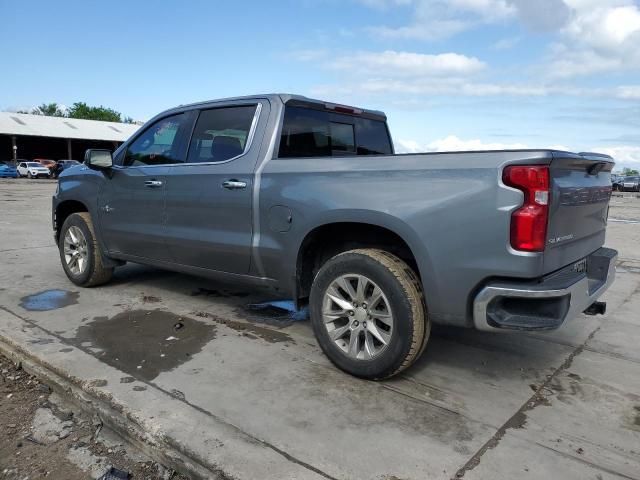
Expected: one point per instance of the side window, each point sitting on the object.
(305, 133)
(158, 145)
(221, 134)
(315, 133)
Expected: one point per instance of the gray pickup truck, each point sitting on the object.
(308, 199)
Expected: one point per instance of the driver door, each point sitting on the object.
(131, 203)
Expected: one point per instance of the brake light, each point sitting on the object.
(529, 222)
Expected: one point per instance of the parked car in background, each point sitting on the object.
(32, 170)
(616, 182)
(7, 171)
(50, 164)
(62, 165)
(630, 184)
(306, 197)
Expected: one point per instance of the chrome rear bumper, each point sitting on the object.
(547, 303)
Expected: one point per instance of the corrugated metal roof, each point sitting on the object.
(60, 127)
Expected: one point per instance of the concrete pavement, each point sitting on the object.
(185, 369)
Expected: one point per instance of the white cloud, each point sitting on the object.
(629, 92)
(506, 43)
(625, 156)
(436, 19)
(599, 37)
(452, 143)
(402, 64)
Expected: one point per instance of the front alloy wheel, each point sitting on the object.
(80, 252)
(76, 254)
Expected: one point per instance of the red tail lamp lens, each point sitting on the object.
(529, 222)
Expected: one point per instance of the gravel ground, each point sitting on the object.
(42, 438)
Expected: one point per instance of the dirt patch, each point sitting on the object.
(41, 438)
(49, 300)
(221, 293)
(144, 343)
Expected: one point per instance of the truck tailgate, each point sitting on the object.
(580, 192)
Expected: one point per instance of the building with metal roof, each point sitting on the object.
(26, 136)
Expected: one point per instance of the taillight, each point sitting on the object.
(529, 222)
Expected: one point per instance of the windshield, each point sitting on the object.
(33, 164)
(632, 179)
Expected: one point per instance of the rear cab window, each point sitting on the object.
(307, 132)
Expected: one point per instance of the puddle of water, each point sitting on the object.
(144, 343)
(250, 330)
(280, 313)
(49, 300)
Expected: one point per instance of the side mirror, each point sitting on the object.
(98, 159)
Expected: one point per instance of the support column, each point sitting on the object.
(69, 153)
(14, 148)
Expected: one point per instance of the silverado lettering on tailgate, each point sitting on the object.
(584, 195)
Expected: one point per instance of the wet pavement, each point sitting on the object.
(238, 385)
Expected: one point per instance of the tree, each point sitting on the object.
(84, 111)
(49, 110)
(629, 171)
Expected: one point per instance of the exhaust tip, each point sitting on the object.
(596, 308)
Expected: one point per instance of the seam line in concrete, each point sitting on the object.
(518, 419)
(264, 443)
(25, 248)
(586, 462)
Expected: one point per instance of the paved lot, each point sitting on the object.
(183, 365)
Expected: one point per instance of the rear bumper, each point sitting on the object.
(546, 303)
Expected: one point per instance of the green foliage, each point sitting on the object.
(80, 110)
(84, 111)
(49, 110)
(629, 171)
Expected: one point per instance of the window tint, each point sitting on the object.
(158, 145)
(220, 134)
(314, 133)
(373, 137)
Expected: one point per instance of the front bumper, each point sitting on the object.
(544, 304)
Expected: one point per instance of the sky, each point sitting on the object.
(451, 75)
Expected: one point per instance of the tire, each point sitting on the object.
(29, 175)
(366, 355)
(94, 272)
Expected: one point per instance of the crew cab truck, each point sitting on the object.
(308, 199)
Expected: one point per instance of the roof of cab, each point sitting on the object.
(287, 98)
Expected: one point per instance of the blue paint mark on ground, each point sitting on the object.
(277, 312)
(49, 300)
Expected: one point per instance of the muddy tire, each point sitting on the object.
(80, 252)
(368, 313)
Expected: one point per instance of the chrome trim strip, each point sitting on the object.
(580, 298)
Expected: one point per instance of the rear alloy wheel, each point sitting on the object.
(368, 313)
(80, 252)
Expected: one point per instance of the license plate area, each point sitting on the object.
(580, 266)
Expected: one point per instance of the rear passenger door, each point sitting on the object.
(209, 198)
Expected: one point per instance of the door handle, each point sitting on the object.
(234, 184)
(153, 183)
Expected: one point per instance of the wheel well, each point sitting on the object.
(329, 240)
(65, 209)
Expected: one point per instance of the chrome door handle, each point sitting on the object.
(234, 184)
(153, 183)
